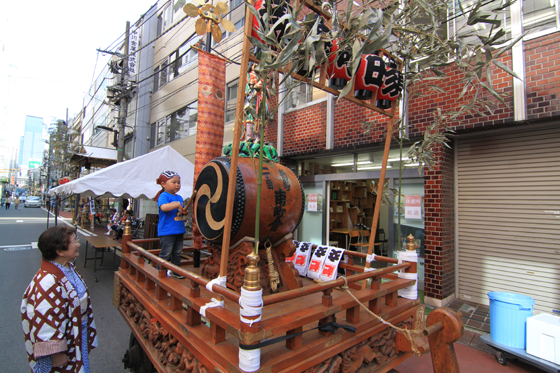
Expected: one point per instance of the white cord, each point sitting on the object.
(366, 269)
(370, 258)
(220, 281)
(249, 360)
(410, 292)
(251, 305)
(213, 303)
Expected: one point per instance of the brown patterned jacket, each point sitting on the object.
(52, 318)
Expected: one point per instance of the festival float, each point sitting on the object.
(262, 301)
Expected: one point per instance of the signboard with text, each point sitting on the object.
(413, 207)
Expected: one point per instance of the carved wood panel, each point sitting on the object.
(368, 356)
(161, 344)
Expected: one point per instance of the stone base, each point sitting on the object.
(436, 303)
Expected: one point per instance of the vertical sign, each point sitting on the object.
(132, 47)
(312, 202)
(413, 207)
(91, 206)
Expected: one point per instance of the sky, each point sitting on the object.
(48, 53)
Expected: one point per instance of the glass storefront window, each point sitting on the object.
(311, 226)
(411, 210)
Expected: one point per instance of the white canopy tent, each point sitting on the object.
(135, 178)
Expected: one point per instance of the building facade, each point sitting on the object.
(31, 148)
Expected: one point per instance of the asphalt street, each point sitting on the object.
(19, 263)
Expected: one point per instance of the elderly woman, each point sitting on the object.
(56, 309)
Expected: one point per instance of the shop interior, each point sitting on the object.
(344, 217)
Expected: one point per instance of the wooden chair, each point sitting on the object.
(361, 244)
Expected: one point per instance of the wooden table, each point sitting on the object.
(100, 243)
(347, 231)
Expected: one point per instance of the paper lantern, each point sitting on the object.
(337, 69)
(391, 88)
(279, 8)
(369, 76)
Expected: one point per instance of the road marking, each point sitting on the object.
(19, 221)
(16, 247)
(34, 245)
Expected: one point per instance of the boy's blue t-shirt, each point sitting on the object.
(167, 224)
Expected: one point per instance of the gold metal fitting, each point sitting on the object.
(410, 245)
(127, 229)
(252, 273)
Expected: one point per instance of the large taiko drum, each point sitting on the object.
(282, 200)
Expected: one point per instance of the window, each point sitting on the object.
(177, 62)
(177, 125)
(186, 56)
(156, 79)
(540, 15)
(231, 100)
(167, 17)
(298, 94)
(459, 27)
(239, 24)
(235, 4)
(163, 72)
(160, 24)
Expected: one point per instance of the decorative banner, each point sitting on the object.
(301, 257)
(413, 207)
(330, 265)
(317, 260)
(210, 120)
(91, 207)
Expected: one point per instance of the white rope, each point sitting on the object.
(366, 269)
(249, 360)
(370, 258)
(213, 303)
(220, 281)
(410, 292)
(251, 305)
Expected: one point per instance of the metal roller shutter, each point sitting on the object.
(508, 224)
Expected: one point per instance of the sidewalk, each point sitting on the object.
(473, 355)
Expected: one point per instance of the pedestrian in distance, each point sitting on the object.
(8, 202)
(56, 313)
(171, 227)
(16, 202)
(3, 201)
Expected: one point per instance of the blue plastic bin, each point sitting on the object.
(508, 318)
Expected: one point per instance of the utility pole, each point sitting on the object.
(123, 107)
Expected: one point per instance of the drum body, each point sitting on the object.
(282, 200)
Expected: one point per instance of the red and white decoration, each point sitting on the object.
(317, 261)
(301, 257)
(330, 265)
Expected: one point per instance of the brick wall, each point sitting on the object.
(439, 202)
(306, 129)
(542, 75)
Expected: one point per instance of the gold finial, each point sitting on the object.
(127, 229)
(410, 246)
(252, 273)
